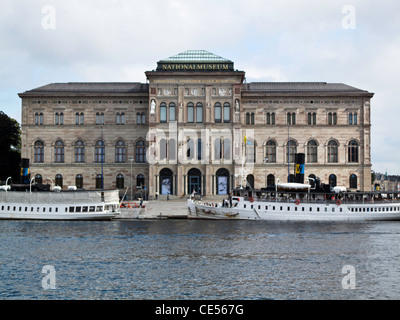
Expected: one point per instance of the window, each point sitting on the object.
(38, 118)
(312, 118)
(250, 151)
(332, 180)
(172, 149)
(312, 151)
(199, 112)
(332, 151)
(190, 112)
(172, 115)
(217, 112)
(332, 118)
(270, 152)
(120, 118)
(190, 149)
(59, 118)
(99, 181)
(120, 181)
(38, 151)
(291, 118)
(199, 149)
(353, 118)
(100, 118)
(270, 180)
(79, 181)
(38, 178)
(227, 112)
(270, 118)
(99, 151)
(59, 151)
(140, 156)
(140, 182)
(353, 151)
(120, 151)
(291, 151)
(250, 118)
(59, 180)
(79, 118)
(79, 151)
(163, 112)
(163, 149)
(227, 149)
(353, 181)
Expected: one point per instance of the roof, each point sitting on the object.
(90, 88)
(302, 87)
(195, 56)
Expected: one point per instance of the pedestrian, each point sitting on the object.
(230, 200)
(168, 196)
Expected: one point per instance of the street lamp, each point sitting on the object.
(131, 159)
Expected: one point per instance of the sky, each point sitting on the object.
(356, 42)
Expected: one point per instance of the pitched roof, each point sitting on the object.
(301, 86)
(90, 88)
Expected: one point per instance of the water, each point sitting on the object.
(183, 259)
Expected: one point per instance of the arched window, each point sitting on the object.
(332, 118)
(247, 117)
(79, 118)
(291, 150)
(332, 151)
(38, 178)
(199, 112)
(190, 112)
(270, 180)
(120, 151)
(163, 112)
(217, 112)
(252, 118)
(312, 151)
(79, 151)
(99, 151)
(271, 118)
(270, 152)
(38, 151)
(143, 116)
(353, 181)
(140, 156)
(100, 118)
(291, 118)
(227, 112)
(59, 151)
(59, 180)
(250, 181)
(312, 118)
(332, 180)
(353, 151)
(172, 110)
(120, 181)
(79, 181)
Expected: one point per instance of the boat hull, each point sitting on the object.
(277, 211)
(73, 205)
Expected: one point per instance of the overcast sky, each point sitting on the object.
(356, 42)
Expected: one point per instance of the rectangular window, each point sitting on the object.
(171, 113)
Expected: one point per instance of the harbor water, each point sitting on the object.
(188, 260)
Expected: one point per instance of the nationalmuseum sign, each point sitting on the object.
(194, 66)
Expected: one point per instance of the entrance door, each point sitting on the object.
(194, 181)
(166, 181)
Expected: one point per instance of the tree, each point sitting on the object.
(10, 147)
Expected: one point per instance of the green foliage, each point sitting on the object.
(10, 146)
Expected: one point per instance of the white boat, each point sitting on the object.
(28, 204)
(291, 203)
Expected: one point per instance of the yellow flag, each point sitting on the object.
(245, 139)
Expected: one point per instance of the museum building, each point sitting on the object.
(196, 125)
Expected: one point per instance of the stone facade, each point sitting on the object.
(196, 125)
